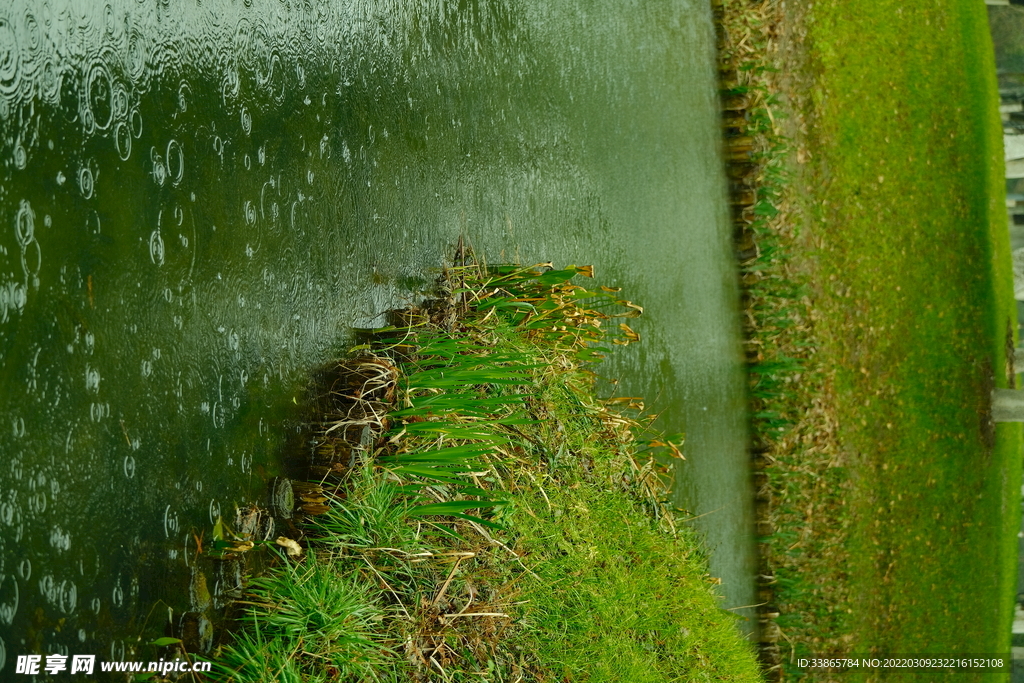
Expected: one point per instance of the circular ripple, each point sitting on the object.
(184, 95)
(10, 60)
(170, 522)
(86, 182)
(175, 162)
(33, 36)
(25, 223)
(119, 102)
(135, 119)
(109, 21)
(159, 168)
(32, 260)
(231, 83)
(137, 56)
(260, 55)
(123, 140)
(99, 95)
(156, 248)
(9, 609)
(246, 121)
(20, 156)
(49, 82)
(68, 596)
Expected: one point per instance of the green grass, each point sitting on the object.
(504, 525)
(917, 301)
(896, 505)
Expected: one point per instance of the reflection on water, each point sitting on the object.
(197, 202)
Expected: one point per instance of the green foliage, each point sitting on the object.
(570, 563)
(307, 619)
(373, 515)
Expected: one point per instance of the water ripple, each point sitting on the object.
(137, 55)
(246, 121)
(175, 162)
(10, 59)
(25, 223)
(86, 181)
(123, 140)
(9, 609)
(99, 95)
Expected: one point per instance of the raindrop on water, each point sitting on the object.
(214, 510)
(60, 539)
(230, 84)
(136, 56)
(8, 610)
(25, 223)
(246, 121)
(99, 96)
(32, 261)
(20, 156)
(184, 93)
(49, 82)
(10, 75)
(85, 181)
(68, 593)
(170, 522)
(46, 587)
(156, 248)
(136, 123)
(123, 140)
(119, 103)
(175, 162)
(159, 169)
(92, 379)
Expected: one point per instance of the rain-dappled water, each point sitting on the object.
(198, 201)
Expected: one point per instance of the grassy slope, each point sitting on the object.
(584, 578)
(914, 293)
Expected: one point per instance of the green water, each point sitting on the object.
(199, 201)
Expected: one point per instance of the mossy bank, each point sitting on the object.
(477, 514)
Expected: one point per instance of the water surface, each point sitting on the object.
(198, 203)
